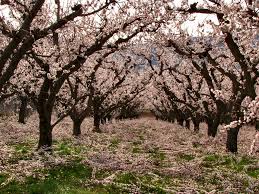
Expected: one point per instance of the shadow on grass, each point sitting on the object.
(63, 179)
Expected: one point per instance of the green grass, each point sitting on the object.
(136, 150)
(157, 156)
(253, 173)
(237, 164)
(185, 157)
(114, 143)
(101, 174)
(136, 147)
(67, 147)
(211, 158)
(127, 178)
(76, 178)
(144, 182)
(58, 179)
(68, 179)
(3, 178)
(23, 148)
(22, 151)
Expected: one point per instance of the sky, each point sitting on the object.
(190, 26)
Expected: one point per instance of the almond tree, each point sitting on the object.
(238, 25)
(83, 86)
(55, 58)
(113, 86)
(175, 81)
(209, 60)
(21, 29)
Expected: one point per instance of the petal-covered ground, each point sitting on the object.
(130, 156)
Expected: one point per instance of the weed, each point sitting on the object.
(114, 143)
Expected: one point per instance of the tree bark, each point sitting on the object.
(213, 124)
(97, 120)
(257, 125)
(187, 123)
(232, 136)
(212, 128)
(45, 140)
(171, 117)
(77, 127)
(196, 125)
(180, 121)
(23, 109)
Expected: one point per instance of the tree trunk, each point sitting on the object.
(45, 140)
(77, 127)
(180, 121)
(97, 120)
(23, 109)
(232, 135)
(209, 124)
(212, 130)
(187, 123)
(257, 125)
(171, 117)
(171, 120)
(213, 127)
(196, 125)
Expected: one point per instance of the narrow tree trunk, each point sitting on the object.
(171, 117)
(213, 127)
(232, 135)
(77, 127)
(196, 125)
(212, 130)
(23, 109)
(187, 123)
(97, 120)
(257, 125)
(180, 121)
(45, 140)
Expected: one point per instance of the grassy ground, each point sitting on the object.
(132, 156)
